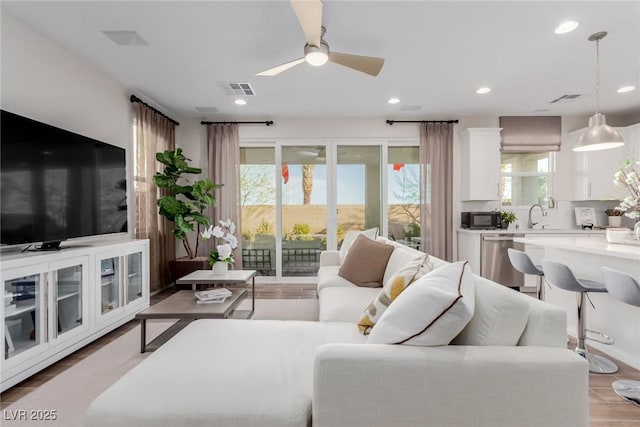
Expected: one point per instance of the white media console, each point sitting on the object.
(57, 302)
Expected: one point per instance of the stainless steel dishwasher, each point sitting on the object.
(494, 260)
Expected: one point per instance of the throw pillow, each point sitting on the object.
(430, 312)
(350, 237)
(365, 263)
(409, 273)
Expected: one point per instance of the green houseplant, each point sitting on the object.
(184, 202)
(507, 217)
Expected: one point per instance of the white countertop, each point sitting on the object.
(591, 245)
(532, 231)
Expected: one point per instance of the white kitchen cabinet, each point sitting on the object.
(469, 250)
(594, 170)
(52, 301)
(480, 149)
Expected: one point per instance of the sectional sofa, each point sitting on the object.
(508, 367)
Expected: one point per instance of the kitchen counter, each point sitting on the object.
(532, 231)
(598, 246)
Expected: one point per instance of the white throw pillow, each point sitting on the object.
(350, 237)
(430, 312)
(499, 318)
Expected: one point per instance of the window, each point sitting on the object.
(403, 195)
(525, 178)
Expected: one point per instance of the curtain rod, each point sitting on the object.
(390, 122)
(134, 98)
(267, 123)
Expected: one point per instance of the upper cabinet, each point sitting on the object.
(480, 149)
(594, 170)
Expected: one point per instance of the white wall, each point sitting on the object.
(45, 82)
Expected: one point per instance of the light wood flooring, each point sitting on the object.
(607, 409)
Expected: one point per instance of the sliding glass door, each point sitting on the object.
(300, 198)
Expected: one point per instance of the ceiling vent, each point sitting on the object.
(411, 108)
(565, 99)
(238, 89)
(125, 38)
(207, 109)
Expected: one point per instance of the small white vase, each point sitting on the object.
(220, 268)
(615, 221)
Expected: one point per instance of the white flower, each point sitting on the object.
(233, 242)
(232, 227)
(224, 251)
(217, 232)
(207, 233)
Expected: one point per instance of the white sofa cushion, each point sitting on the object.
(499, 319)
(344, 304)
(432, 311)
(328, 278)
(350, 237)
(256, 373)
(399, 258)
(412, 271)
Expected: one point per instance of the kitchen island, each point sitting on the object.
(586, 256)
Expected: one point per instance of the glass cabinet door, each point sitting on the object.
(134, 276)
(24, 317)
(110, 284)
(68, 299)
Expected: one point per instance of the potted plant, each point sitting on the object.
(223, 255)
(507, 217)
(615, 217)
(184, 204)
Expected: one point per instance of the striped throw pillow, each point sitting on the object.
(408, 274)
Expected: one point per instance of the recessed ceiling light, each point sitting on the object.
(393, 100)
(566, 27)
(240, 102)
(626, 89)
(483, 90)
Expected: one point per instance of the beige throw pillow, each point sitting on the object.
(366, 262)
(430, 312)
(409, 273)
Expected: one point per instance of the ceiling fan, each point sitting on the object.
(316, 50)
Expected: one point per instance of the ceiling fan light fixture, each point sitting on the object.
(316, 56)
(598, 136)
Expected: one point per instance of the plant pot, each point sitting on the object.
(615, 221)
(505, 225)
(182, 266)
(220, 268)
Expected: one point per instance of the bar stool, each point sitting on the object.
(562, 276)
(626, 289)
(522, 262)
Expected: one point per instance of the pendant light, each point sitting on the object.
(598, 135)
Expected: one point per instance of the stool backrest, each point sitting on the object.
(561, 276)
(522, 262)
(622, 286)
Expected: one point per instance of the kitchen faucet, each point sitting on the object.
(530, 223)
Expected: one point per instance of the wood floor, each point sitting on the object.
(607, 409)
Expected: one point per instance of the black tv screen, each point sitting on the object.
(56, 184)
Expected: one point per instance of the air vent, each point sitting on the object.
(565, 99)
(125, 38)
(207, 109)
(238, 89)
(411, 108)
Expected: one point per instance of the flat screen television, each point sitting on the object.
(56, 184)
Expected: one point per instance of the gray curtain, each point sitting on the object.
(223, 151)
(436, 189)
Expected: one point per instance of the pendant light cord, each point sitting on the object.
(597, 76)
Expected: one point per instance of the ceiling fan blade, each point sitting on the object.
(367, 64)
(280, 68)
(309, 14)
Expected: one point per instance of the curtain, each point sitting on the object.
(436, 189)
(153, 133)
(223, 151)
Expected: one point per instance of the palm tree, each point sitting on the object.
(307, 183)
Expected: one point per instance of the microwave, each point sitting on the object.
(480, 220)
